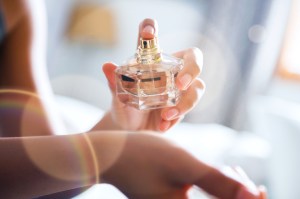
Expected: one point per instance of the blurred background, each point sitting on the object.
(250, 113)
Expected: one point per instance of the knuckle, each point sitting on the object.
(200, 84)
(190, 101)
(198, 69)
(197, 91)
(197, 58)
(196, 51)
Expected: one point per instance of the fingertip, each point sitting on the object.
(184, 81)
(109, 72)
(163, 113)
(262, 192)
(108, 66)
(201, 84)
(171, 114)
(148, 32)
(164, 125)
(244, 193)
(148, 29)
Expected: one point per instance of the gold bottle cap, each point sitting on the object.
(148, 43)
(148, 51)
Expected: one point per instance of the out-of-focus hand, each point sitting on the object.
(238, 174)
(125, 117)
(150, 167)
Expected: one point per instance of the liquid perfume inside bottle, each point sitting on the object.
(147, 80)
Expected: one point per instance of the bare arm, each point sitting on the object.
(44, 165)
(36, 166)
(141, 165)
(22, 63)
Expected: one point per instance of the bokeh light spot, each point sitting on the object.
(257, 33)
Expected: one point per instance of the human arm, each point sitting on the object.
(45, 165)
(141, 165)
(162, 170)
(34, 166)
(23, 68)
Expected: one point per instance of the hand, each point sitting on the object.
(150, 167)
(129, 118)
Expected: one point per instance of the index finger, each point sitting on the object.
(195, 172)
(222, 186)
(148, 29)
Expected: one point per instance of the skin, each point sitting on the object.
(22, 71)
(125, 117)
(132, 165)
(39, 163)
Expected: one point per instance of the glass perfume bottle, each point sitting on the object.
(147, 80)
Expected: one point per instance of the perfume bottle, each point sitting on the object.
(147, 80)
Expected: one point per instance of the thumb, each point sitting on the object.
(109, 71)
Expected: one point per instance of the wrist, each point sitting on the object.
(108, 147)
(106, 123)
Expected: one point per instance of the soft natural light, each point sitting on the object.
(290, 55)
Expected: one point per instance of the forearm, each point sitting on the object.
(36, 166)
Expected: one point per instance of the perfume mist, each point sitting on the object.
(147, 80)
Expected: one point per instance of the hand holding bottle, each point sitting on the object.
(124, 117)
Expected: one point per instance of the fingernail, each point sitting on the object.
(185, 81)
(263, 192)
(244, 193)
(172, 113)
(148, 29)
(164, 125)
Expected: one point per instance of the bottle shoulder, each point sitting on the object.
(170, 59)
(166, 63)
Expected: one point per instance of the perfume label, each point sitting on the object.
(147, 85)
(129, 84)
(153, 83)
